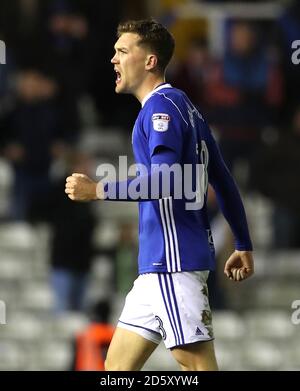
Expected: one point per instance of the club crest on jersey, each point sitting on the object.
(160, 122)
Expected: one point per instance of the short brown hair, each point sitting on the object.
(153, 35)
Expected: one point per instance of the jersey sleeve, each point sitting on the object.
(164, 125)
(153, 182)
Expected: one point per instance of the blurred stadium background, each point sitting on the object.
(59, 113)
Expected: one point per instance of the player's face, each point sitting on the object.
(129, 63)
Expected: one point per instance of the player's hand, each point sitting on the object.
(80, 187)
(239, 265)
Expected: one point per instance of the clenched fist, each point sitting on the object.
(80, 187)
(239, 266)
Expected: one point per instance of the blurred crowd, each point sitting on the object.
(59, 51)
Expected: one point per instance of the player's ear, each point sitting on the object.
(151, 62)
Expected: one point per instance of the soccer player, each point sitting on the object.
(169, 299)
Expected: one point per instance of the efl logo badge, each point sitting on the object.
(161, 122)
(2, 53)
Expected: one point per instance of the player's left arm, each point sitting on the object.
(240, 264)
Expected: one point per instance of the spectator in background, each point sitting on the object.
(53, 38)
(243, 93)
(125, 254)
(71, 244)
(276, 175)
(50, 46)
(287, 30)
(91, 344)
(69, 41)
(194, 72)
(68, 57)
(22, 26)
(6, 96)
(71, 247)
(104, 19)
(32, 138)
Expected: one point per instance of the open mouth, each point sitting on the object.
(118, 77)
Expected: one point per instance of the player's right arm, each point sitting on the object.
(80, 187)
(164, 145)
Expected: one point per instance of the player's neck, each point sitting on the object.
(148, 86)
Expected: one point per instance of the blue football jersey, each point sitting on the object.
(172, 236)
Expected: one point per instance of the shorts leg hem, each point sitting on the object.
(148, 334)
(189, 343)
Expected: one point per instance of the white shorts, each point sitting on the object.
(169, 306)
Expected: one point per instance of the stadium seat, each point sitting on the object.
(268, 324)
(22, 326)
(228, 354)
(228, 325)
(12, 356)
(65, 325)
(262, 355)
(13, 267)
(54, 355)
(17, 235)
(37, 296)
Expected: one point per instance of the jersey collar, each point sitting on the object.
(164, 85)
